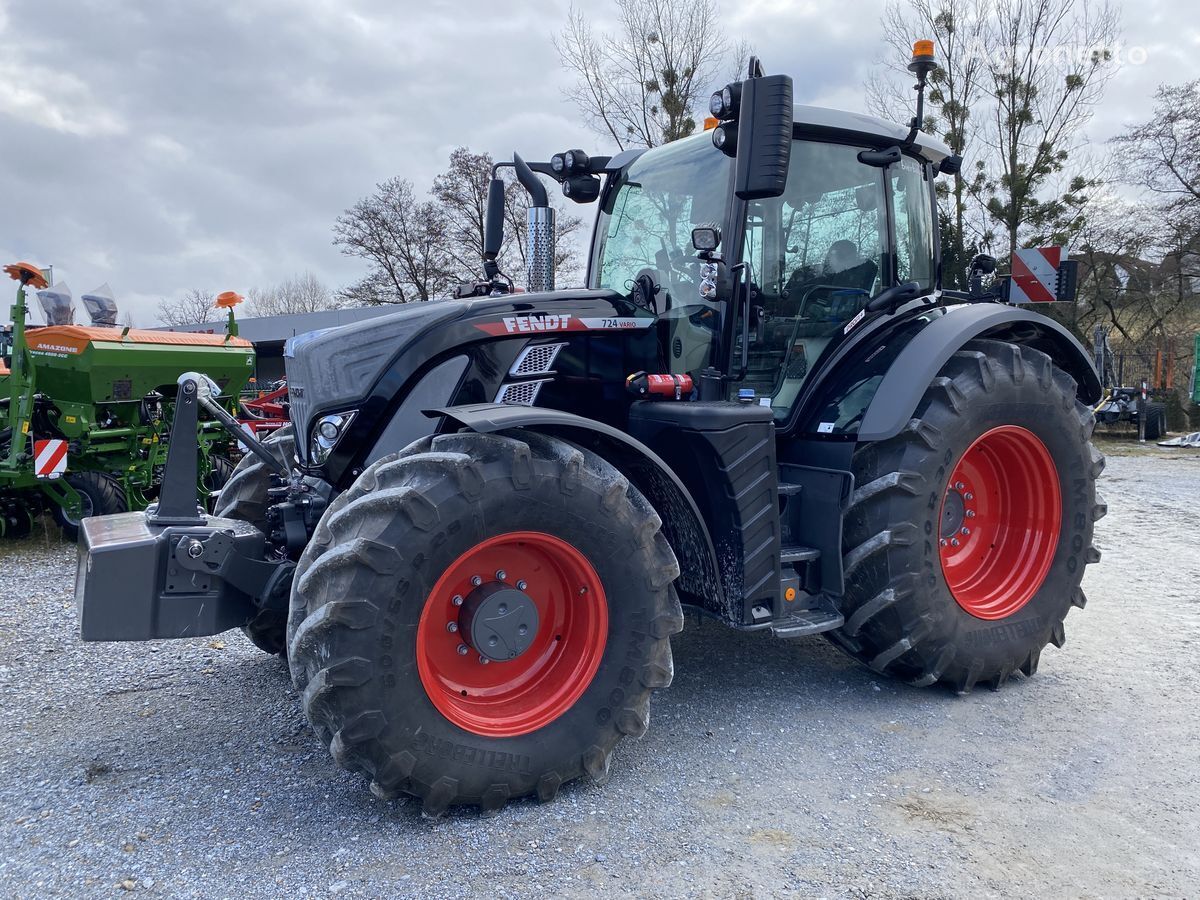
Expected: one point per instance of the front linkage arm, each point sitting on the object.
(179, 503)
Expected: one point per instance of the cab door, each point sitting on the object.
(842, 232)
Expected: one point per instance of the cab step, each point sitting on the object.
(790, 556)
(815, 613)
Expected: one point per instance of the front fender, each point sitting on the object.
(683, 523)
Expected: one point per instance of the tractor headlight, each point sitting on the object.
(576, 161)
(724, 103)
(724, 138)
(326, 434)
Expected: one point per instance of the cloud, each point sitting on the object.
(205, 144)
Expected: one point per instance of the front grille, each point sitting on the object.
(536, 359)
(521, 393)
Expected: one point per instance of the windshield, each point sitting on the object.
(647, 225)
(820, 252)
(646, 228)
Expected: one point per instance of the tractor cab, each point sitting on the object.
(849, 224)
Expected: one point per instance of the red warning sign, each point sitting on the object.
(50, 458)
(1035, 275)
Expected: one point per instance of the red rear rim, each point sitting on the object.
(1000, 522)
(566, 617)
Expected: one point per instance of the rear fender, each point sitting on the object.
(918, 348)
(683, 524)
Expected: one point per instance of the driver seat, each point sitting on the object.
(846, 267)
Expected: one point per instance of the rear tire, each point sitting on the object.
(244, 496)
(374, 660)
(100, 494)
(903, 616)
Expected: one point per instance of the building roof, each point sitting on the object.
(269, 329)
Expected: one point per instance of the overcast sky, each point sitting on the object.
(163, 145)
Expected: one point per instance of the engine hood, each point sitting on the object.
(336, 368)
(343, 368)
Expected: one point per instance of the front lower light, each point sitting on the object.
(326, 434)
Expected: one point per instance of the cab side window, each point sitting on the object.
(914, 222)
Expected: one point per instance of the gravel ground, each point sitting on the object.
(771, 768)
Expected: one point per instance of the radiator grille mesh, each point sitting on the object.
(522, 393)
(537, 359)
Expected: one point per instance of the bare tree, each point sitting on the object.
(405, 241)
(957, 92)
(1132, 284)
(195, 307)
(1162, 156)
(304, 293)
(462, 192)
(646, 82)
(1052, 61)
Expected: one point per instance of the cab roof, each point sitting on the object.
(838, 121)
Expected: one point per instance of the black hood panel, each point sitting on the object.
(336, 368)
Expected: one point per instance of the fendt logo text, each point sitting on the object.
(550, 322)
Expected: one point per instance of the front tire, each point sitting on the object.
(220, 470)
(389, 665)
(968, 533)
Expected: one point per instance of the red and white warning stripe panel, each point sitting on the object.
(1035, 275)
(50, 458)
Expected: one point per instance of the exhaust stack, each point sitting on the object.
(539, 255)
(539, 251)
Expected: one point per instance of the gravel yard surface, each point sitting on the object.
(771, 768)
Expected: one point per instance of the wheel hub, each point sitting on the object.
(1000, 522)
(498, 621)
(512, 634)
(954, 508)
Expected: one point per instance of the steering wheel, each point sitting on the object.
(831, 289)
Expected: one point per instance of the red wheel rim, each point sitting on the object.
(514, 696)
(1000, 517)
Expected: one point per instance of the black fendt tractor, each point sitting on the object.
(473, 547)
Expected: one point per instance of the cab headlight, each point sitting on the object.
(326, 433)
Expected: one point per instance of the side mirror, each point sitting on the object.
(764, 137)
(493, 228)
(706, 238)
